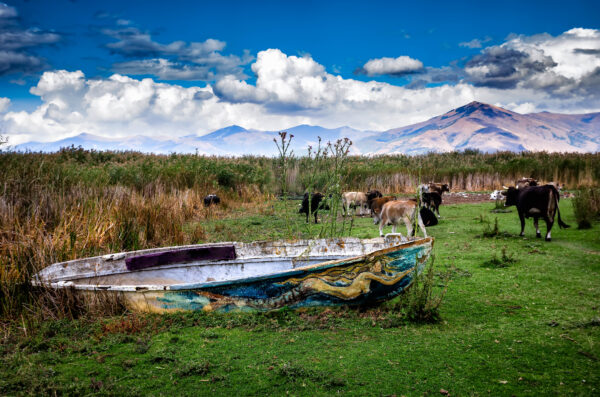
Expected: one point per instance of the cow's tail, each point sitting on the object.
(561, 224)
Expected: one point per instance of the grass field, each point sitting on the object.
(520, 317)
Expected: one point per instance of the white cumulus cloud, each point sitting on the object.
(392, 66)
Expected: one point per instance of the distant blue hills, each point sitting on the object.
(475, 125)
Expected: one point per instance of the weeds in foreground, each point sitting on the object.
(491, 231)
(336, 171)
(285, 156)
(505, 260)
(420, 305)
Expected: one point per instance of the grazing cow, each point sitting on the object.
(537, 202)
(315, 202)
(211, 199)
(524, 182)
(432, 201)
(354, 199)
(393, 212)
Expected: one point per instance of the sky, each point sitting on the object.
(169, 69)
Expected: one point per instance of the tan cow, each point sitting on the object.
(376, 206)
(356, 199)
(393, 212)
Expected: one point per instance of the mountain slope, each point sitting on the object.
(490, 128)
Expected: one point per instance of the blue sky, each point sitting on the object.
(273, 64)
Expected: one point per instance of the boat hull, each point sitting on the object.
(362, 280)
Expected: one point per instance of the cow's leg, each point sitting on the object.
(522, 218)
(537, 228)
(409, 226)
(549, 224)
(393, 227)
(381, 222)
(307, 214)
(316, 221)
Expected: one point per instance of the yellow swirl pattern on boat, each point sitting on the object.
(357, 278)
(359, 285)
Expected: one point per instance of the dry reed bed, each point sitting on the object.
(52, 226)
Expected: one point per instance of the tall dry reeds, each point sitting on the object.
(49, 226)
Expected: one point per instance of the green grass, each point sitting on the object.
(531, 328)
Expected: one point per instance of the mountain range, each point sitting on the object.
(473, 126)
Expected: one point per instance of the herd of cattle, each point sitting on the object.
(386, 210)
(531, 200)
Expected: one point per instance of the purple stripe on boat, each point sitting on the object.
(220, 253)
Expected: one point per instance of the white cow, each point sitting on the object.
(356, 199)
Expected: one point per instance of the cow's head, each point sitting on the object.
(445, 188)
(511, 194)
(373, 194)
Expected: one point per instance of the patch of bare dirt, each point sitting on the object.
(466, 198)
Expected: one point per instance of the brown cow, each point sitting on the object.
(393, 212)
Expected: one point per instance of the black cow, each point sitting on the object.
(211, 199)
(315, 202)
(537, 202)
(432, 201)
(373, 194)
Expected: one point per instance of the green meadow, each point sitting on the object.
(519, 316)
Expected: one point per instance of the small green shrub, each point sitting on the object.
(420, 304)
(489, 231)
(586, 207)
(505, 260)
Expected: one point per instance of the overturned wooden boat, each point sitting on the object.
(250, 276)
